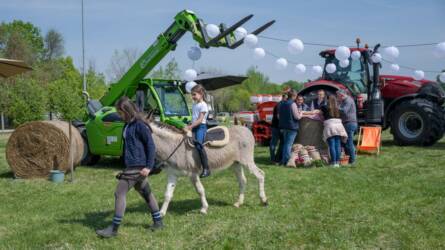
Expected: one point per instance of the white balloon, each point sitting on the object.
(295, 46)
(439, 50)
(212, 30)
(355, 55)
(240, 33)
(189, 85)
(442, 77)
(194, 53)
(281, 63)
(391, 53)
(418, 74)
(344, 63)
(317, 70)
(259, 53)
(394, 67)
(342, 53)
(190, 75)
(376, 58)
(331, 68)
(300, 69)
(251, 40)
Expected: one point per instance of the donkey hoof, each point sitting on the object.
(162, 213)
(203, 211)
(237, 204)
(265, 203)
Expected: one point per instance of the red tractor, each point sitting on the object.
(411, 108)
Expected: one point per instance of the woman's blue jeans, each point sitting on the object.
(334, 144)
(350, 128)
(288, 141)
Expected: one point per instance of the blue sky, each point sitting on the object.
(118, 25)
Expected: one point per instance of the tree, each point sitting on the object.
(54, 45)
(294, 85)
(27, 101)
(20, 40)
(96, 83)
(170, 72)
(65, 99)
(240, 100)
(121, 61)
(255, 80)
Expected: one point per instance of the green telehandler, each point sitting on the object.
(102, 128)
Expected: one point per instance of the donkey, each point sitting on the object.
(238, 154)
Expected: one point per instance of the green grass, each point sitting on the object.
(395, 200)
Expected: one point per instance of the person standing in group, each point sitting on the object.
(333, 131)
(301, 105)
(139, 158)
(200, 112)
(288, 120)
(348, 113)
(276, 135)
(320, 101)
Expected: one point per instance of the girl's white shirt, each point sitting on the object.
(198, 108)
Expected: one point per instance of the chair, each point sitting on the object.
(369, 139)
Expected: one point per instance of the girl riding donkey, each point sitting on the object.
(200, 112)
(139, 158)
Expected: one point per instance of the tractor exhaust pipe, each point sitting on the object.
(375, 109)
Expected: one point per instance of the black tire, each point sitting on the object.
(417, 122)
(88, 158)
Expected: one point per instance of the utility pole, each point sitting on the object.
(83, 53)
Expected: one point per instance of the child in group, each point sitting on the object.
(139, 158)
(333, 132)
(200, 112)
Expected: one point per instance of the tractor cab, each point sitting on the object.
(165, 99)
(355, 76)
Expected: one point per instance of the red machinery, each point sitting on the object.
(411, 108)
(261, 128)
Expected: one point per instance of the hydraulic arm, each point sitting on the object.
(185, 21)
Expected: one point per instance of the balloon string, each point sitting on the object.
(401, 66)
(289, 61)
(336, 45)
(411, 68)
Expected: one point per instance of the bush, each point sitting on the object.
(28, 101)
(65, 100)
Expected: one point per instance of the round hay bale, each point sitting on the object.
(36, 148)
(311, 133)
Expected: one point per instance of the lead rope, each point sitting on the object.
(161, 163)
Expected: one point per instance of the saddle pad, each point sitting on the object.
(215, 137)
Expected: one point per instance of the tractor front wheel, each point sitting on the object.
(417, 122)
(88, 159)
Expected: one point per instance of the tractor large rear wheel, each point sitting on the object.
(417, 122)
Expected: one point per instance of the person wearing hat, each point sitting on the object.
(348, 113)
